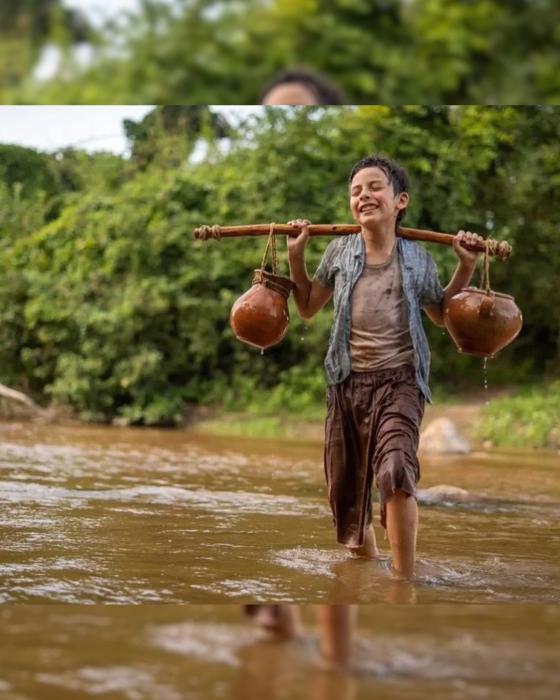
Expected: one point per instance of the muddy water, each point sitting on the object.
(202, 652)
(132, 516)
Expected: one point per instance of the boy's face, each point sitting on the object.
(372, 200)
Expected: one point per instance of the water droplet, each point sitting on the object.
(485, 377)
(302, 338)
(262, 351)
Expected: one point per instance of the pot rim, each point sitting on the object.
(278, 283)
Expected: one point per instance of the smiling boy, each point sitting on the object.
(377, 363)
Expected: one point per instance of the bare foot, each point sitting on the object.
(363, 552)
(396, 575)
(368, 550)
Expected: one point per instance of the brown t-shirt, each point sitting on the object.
(380, 336)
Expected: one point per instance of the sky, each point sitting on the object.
(93, 128)
(50, 128)
(99, 9)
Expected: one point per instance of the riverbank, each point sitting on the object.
(517, 417)
(464, 415)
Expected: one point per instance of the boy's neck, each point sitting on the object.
(379, 242)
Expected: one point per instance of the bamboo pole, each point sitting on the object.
(500, 249)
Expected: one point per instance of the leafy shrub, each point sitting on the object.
(530, 419)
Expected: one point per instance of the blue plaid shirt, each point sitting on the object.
(341, 266)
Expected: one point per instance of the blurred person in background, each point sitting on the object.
(301, 87)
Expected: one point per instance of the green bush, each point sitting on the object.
(32, 170)
(530, 419)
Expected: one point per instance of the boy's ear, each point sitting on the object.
(402, 200)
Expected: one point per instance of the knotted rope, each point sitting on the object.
(490, 248)
(270, 246)
(203, 233)
(501, 249)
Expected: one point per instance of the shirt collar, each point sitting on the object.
(359, 250)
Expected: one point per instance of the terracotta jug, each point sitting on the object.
(260, 316)
(482, 322)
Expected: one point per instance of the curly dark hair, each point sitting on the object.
(396, 174)
(324, 90)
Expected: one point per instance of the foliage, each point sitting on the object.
(108, 305)
(529, 420)
(34, 171)
(79, 171)
(26, 26)
(378, 51)
(170, 132)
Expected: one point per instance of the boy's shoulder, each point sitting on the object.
(414, 254)
(342, 244)
(346, 240)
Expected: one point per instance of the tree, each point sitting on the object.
(171, 131)
(25, 26)
(378, 51)
(25, 166)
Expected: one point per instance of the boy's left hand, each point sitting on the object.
(468, 257)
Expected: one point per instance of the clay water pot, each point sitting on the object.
(260, 316)
(482, 323)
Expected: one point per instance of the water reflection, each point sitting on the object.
(203, 652)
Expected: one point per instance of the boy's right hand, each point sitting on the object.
(296, 245)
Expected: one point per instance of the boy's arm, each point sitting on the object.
(310, 295)
(461, 277)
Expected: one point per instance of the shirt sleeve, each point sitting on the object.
(431, 291)
(325, 273)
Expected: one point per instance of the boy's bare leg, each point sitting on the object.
(336, 624)
(402, 528)
(369, 548)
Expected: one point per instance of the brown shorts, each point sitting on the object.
(372, 429)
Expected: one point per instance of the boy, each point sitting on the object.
(377, 363)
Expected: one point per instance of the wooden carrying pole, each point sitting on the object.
(500, 249)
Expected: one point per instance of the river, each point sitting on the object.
(109, 515)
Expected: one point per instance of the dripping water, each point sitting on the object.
(485, 377)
